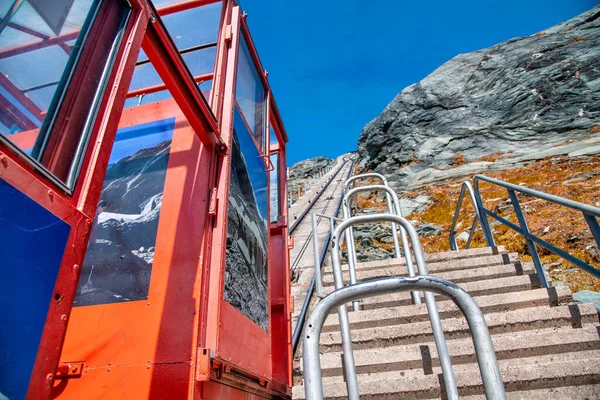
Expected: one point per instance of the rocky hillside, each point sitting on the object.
(518, 100)
(306, 169)
(524, 111)
(302, 171)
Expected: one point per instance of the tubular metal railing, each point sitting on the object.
(317, 196)
(484, 350)
(590, 214)
(393, 208)
(436, 325)
(452, 237)
(350, 233)
(318, 278)
(311, 288)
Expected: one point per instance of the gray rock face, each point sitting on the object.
(308, 168)
(300, 174)
(520, 96)
(588, 296)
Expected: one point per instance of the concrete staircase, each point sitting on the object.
(547, 346)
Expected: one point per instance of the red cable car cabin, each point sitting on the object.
(143, 219)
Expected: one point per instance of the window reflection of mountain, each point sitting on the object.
(247, 260)
(118, 264)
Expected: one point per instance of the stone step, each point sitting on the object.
(418, 312)
(437, 257)
(575, 315)
(587, 392)
(423, 356)
(433, 267)
(524, 374)
(429, 258)
(456, 276)
(508, 284)
(588, 354)
(511, 284)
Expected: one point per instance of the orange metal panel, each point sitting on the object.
(162, 329)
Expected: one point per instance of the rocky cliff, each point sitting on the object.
(308, 168)
(521, 98)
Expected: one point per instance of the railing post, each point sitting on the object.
(318, 281)
(485, 223)
(530, 245)
(594, 227)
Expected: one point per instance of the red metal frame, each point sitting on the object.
(21, 98)
(20, 173)
(187, 285)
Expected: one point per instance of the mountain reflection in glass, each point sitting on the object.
(246, 262)
(120, 254)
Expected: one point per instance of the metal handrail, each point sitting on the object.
(307, 209)
(452, 237)
(484, 350)
(393, 204)
(434, 317)
(311, 288)
(355, 178)
(590, 214)
(317, 273)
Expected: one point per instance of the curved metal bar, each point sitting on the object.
(590, 214)
(434, 316)
(484, 350)
(350, 232)
(364, 176)
(392, 200)
(452, 237)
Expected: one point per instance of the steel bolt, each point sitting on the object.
(76, 267)
(49, 377)
(63, 318)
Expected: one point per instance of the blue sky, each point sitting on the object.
(334, 65)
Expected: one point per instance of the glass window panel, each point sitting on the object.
(201, 62)
(250, 94)
(272, 135)
(194, 27)
(35, 79)
(35, 67)
(13, 37)
(29, 18)
(274, 185)
(246, 261)
(120, 254)
(42, 97)
(144, 76)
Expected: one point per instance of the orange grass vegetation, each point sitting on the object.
(560, 226)
(579, 39)
(458, 160)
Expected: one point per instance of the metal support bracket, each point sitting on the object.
(204, 358)
(214, 201)
(69, 370)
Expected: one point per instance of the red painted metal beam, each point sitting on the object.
(28, 31)
(10, 113)
(21, 98)
(39, 44)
